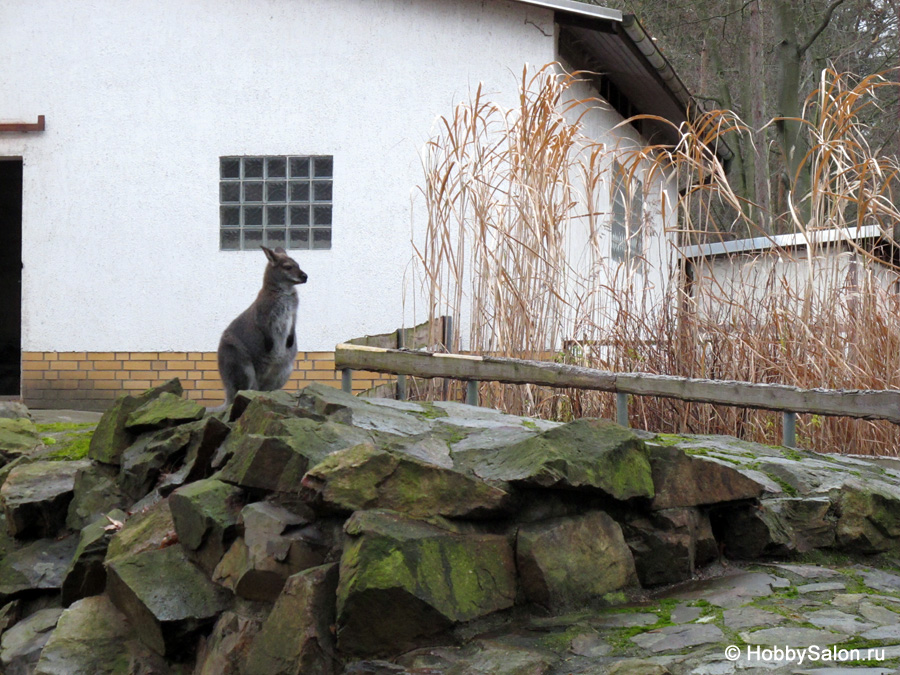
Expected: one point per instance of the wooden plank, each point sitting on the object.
(833, 402)
(416, 337)
(859, 404)
(466, 367)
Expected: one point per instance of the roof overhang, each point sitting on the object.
(616, 47)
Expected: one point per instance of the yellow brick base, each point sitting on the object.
(92, 380)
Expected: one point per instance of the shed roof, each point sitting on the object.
(794, 240)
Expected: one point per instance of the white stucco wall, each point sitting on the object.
(141, 97)
(623, 143)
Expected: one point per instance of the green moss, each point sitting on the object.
(616, 598)
(56, 427)
(790, 453)
(788, 489)
(530, 424)
(668, 440)
(430, 411)
(725, 458)
(561, 642)
(71, 446)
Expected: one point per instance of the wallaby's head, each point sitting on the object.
(282, 269)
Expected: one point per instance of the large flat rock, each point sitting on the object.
(586, 454)
(364, 477)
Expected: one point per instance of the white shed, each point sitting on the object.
(148, 148)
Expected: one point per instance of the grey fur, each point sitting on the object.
(257, 349)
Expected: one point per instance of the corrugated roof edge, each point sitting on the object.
(760, 244)
(642, 40)
(581, 8)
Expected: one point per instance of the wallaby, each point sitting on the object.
(257, 349)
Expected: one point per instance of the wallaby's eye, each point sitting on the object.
(286, 266)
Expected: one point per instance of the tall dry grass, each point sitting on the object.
(517, 248)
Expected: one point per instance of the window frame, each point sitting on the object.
(627, 216)
(276, 200)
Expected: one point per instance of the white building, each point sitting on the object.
(742, 279)
(174, 132)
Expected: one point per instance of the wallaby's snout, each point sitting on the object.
(302, 277)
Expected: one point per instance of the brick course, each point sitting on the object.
(92, 380)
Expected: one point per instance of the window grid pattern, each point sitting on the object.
(627, 222)
(282, 200)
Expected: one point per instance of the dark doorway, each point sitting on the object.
(10, 276)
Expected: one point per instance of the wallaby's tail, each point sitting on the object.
(217, 409)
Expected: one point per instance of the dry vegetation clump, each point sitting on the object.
(519, 203)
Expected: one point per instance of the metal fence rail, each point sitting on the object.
(871, 405)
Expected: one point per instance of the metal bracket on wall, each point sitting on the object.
(20, 127)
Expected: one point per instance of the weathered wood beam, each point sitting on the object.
(880, 404)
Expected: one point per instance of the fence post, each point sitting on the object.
(401, 379)
(622, 408)
(347, 380)
(789, 430)
(472, 392)
(448, 345)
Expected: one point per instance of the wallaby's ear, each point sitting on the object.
(270, 254)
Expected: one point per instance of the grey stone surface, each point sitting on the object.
(821, 587)
(792, 636)
(732, 590)
(745, 617)
(21, 645)
(834, 619)
(685, 614)
(878, 614)
(809, 571)
(674, 638)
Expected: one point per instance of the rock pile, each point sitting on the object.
(319, 533)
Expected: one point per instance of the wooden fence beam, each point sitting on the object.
(882, 404)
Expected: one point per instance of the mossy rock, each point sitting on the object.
(166, 598)
(166, 410)
(424, 575)
(691, 480)
(92, 636)
(278, 463)
(86, 575)
(111, 437)
(145, 531)
(869, 520)
(206, 515)
(296, 637)
(17, 436)
(587, 453)
(36, 497)
(363, 477)
(568, 562)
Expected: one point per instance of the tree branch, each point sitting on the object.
(826, 19)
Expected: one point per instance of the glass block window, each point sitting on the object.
(627, 223)
(281, 200)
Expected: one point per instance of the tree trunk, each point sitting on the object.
(756, 89)
(788, 58)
